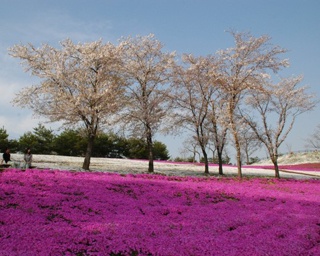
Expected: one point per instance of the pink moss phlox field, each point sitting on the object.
(77, 213)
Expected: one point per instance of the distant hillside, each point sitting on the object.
(296, 158)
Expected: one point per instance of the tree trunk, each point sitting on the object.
(88, 154)
(150, 153)
(239, 160)
(235, 137)
(206, 163)
(276, 167)
(220, 162)
(247, 157)
(238, 150)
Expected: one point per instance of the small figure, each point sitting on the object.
(27, 158)
(6, 156)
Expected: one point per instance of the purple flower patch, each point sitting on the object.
(68, 213)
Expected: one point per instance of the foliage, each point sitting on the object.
(14, 145)
(44, 139)
(29, 140)
(138, 149)
(254, 160)
(111, 145)
(160, 151)
(4, 138)
(215, 160)
(187, 159)
(180, 159)
(40, 140)
(70, 143)
(103, 146)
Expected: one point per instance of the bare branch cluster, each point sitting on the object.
(313, 141)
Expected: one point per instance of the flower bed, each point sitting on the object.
(76, 213)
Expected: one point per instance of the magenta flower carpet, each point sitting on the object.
(68, 213)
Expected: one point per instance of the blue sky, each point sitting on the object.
(187, 26)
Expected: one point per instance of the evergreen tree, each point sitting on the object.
(69, 143)
(3, 139)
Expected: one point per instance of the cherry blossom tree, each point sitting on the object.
(276, 109)
(148, 70)
(194, 95)
(79, 83)
(242, 68)
(218, 124)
